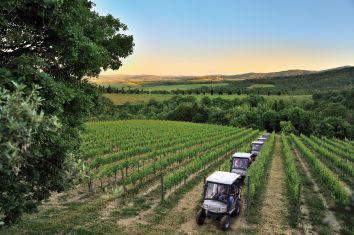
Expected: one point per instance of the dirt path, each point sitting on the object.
(275, 206)
(330, 217)
(180, 220)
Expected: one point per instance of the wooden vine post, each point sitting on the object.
(123, 181)
(162, 189)
(298, 200)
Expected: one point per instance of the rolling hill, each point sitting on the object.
(151, 80)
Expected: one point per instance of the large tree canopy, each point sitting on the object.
(51, 44)
(67, 37)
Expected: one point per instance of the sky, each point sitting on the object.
(204, 37)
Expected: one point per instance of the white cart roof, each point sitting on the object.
(242, 155)
(262, 138)
(257, 142)
(223, 177)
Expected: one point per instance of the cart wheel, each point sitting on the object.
(200, 217)
(225, 223)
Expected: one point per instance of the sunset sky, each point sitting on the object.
(200, 37)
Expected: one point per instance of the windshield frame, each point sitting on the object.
(213, 199)
(243, 159)
(259, 147)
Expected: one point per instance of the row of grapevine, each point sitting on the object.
(146, 149)
(346, 155)
(345, 143)
(340, 145)
(104, 137)
(163, 152)
(197, 163)
(146, 141)
(331, 157)
(183, 156)
(325, 175)
(149, 147)
(292, 176)
(259, 168)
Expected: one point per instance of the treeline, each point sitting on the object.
(329, 114)
(204, 90)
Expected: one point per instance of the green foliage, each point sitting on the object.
(26, 174)
(341, 145)
(67, 38)
(251, 111)
(334, 126)
(86, 174)
(198, 163)
(149, 147)
(331, 156)
(287, 127)
(293, 178)
(323, 173)
(159, 149)
(54, 44)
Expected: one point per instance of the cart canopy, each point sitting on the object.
(223, 177)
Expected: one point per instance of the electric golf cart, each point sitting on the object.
(266, 135)
(221, 198)
(256, 148)
(240, 162)
(262, 139)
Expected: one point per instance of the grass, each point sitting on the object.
(313, 203)
(136, 98)
(181, 87)
(143, 98)
(69, 218)
(260, 86)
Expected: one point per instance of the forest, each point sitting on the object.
(329, 114)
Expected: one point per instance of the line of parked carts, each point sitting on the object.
(222, 196)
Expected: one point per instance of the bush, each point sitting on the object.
(26, 175)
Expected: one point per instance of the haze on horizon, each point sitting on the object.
(202, 37)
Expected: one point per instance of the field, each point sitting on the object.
(147, 87)
(261, 86)
(141, 98)
(124, 161)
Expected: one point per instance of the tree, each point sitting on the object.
(22, 164)
(205, 101)
(54, 44)
(183, 112)
(302, 120)
(109, 89)
(333, 127)
(287, 127)
(66, 37)
(270, 120)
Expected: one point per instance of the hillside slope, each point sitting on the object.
(335, 79)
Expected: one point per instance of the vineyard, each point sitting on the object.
(132, 153)
(142, 176)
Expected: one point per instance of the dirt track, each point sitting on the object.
(275, 211)
(330, 217)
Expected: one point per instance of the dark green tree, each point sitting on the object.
(54, 44)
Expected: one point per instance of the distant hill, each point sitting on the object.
(264, 75)
(134, 80)
(331, 79)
